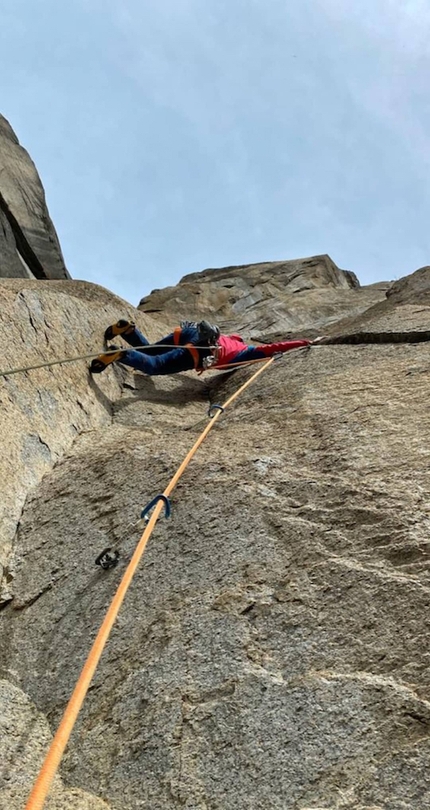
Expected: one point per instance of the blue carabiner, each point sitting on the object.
(214, 408)
(167, 506)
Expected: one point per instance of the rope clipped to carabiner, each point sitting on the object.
(149, 507)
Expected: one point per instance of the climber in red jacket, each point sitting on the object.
(195, 345)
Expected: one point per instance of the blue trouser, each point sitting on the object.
(159, 359)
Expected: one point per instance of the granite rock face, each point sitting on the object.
(272, 649)
(412, 289)
(29, 246)
(25, 735)
(269, 298)
(43, 411)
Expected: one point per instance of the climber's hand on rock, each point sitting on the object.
(319, 340)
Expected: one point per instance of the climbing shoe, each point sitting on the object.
(119, 328)
(103, 360)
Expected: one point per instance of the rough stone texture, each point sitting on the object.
(412, 289)
(43, 411)
(11, 265)
(25, 735)
(25, 224)
(268, 298)
(406, 308)
(272, 651)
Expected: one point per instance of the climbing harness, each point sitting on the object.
(193, 350)
(53, 757)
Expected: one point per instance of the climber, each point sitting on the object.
(199, 346)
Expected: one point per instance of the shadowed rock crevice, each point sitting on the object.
(29, 245)
(23, 247)
(379, 337)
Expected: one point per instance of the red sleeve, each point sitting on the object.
(285, 346)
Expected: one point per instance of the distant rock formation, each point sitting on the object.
(413, 289)
(267, 298)
(29, 246)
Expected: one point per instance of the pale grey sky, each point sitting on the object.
(175, 135)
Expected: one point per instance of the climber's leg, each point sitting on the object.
(122, 327)
(135, 338)
(130, 333)
(170, 362)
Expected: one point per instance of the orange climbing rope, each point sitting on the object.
(61, 738)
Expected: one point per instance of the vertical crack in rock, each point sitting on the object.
(23, 247)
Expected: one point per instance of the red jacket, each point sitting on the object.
(230, 345)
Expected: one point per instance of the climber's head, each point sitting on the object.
(208, 332)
